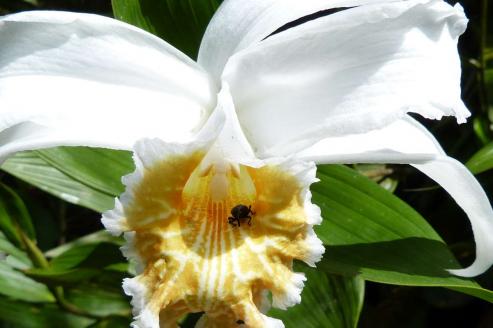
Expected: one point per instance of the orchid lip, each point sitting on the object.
(181, 226)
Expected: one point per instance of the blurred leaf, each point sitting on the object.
(23, 315)
(17, 5)
(98, 255)
(482, 160)
(7, 225)
(99, 169)
(29, 167)
(326, 301)
(99, 301)
(32, 2)
(379, 173)
(97, 237)
(16, 263)
(119, 267)
(368, 230)
(78, 263)
(113, 322)
(17, 210)
(54, 277)
(110, 278)
(8, 248)
(16, 285)
(181, 23)
(482, 129)
(488, 76)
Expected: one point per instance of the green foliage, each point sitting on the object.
(369, 231)
(481, 161)
(99, 169)
(326, 301)
(15, 284)
(17, 210)
(23, 315)
(112, 322)
(81, 262)
(181, 23)
(100, 301)
(13, 256)
(30, 167)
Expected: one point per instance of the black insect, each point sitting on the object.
(240, 322)
(240, 212)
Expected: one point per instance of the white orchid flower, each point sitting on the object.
(219, 204)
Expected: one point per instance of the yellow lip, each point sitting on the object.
(194, 260)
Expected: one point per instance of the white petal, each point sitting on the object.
(408, 142)
(231, 141)
(404, 141)
(238, 23)
(350, 72)
(468, 193)
(79, 79)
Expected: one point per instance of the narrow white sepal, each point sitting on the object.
(456, 179)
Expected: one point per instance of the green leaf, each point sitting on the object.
(481, 161)
(97, 237)
(21, 258)
(110, 278)
(14, 216)
(7, 225)
(99, 301)
(54, 277)
(488, 76)
(29, 167)
(17, 210)
(98, 255)
(369, 231)
(112, 322)
(481, 126)
(181, 23)
(23, 315)
(32, 2)
(99, 169)
(16, 285)
(78, 263)
(326, 301)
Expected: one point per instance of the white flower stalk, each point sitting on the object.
(225, 149)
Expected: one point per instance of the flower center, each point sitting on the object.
(214, 236)
(213, 194)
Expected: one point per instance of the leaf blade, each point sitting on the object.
(371, 232)
(482, 160)
(31, 168)
(326, 301)
(18, 286)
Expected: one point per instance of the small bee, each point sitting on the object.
(240, 212)
(240, 322)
